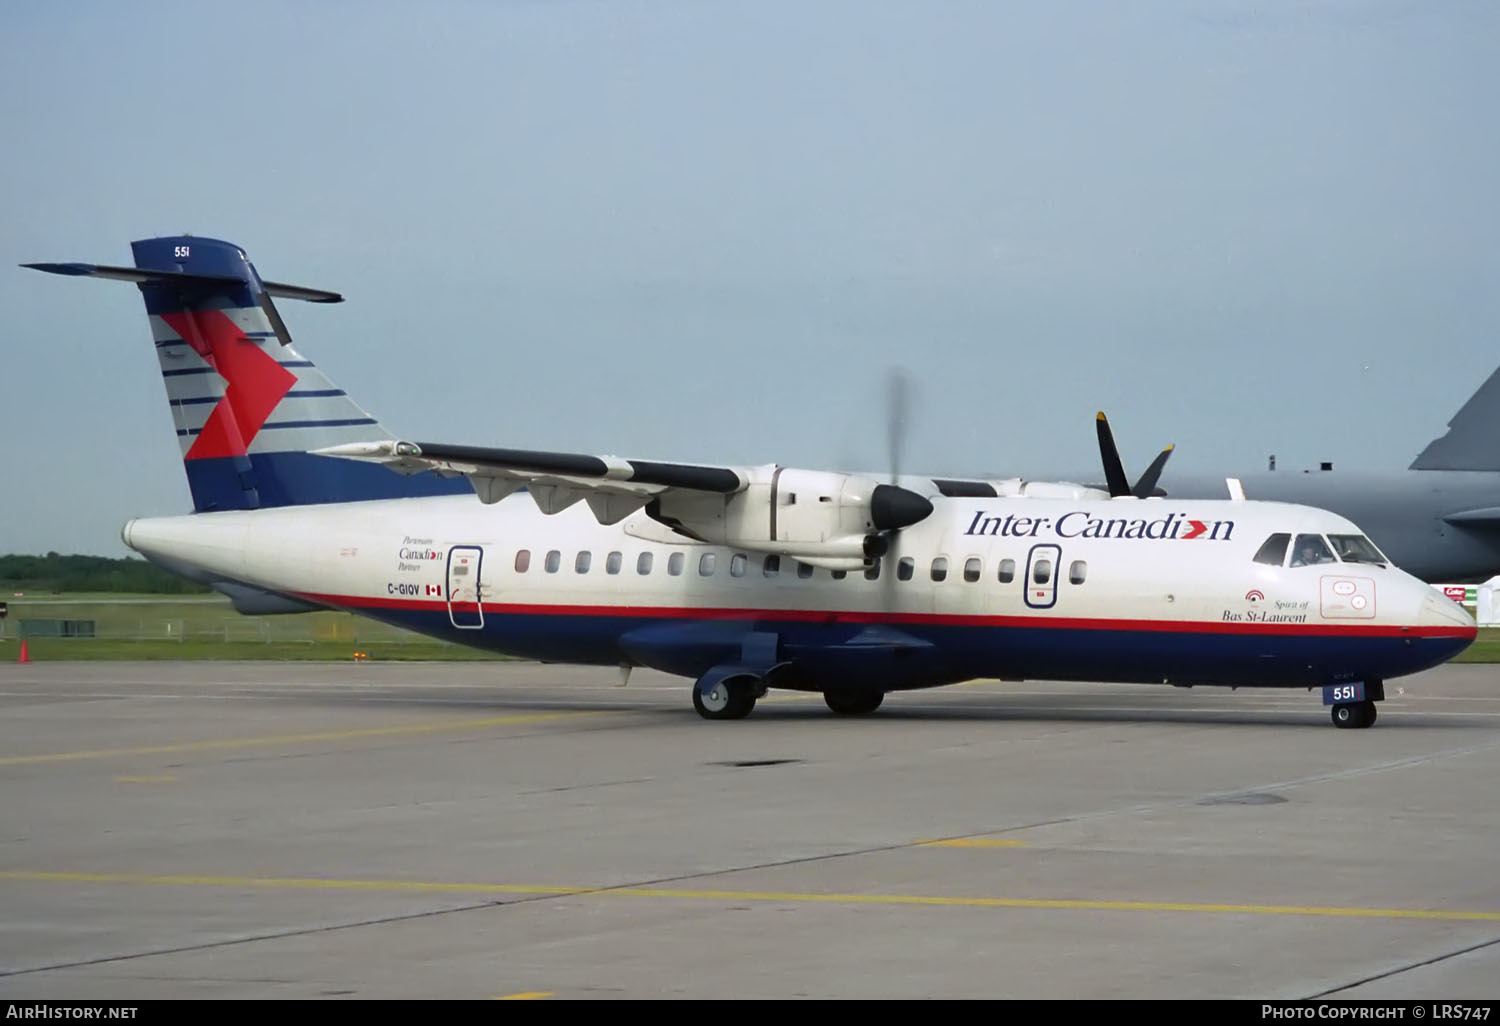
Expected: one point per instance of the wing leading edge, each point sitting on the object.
(613, 487)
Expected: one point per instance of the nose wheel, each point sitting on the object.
(1354, 715)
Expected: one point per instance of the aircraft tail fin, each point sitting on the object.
(248, 408)
(1473, 438)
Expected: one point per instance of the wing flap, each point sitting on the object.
(614, 488)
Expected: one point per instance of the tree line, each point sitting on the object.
(57, 573)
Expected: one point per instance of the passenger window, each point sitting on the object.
(804, 570)
(553, 561)
(971, 569)
(612, 563)
(1310, 550)
(581, 564)
(523, 561)
(737, 564)
(1007, 571)
(1041, 572)
(940, 568)
(1273, 551)
(872, 572)
(905, 566)
(1077, 572)
(643, 563)
(675, 563)
(773, 566)
(706, 565)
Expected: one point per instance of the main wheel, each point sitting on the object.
(728, 699)
(853, 703)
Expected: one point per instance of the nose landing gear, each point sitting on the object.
(1353, 715)
(1354, 702)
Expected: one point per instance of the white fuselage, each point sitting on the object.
(1122, 589)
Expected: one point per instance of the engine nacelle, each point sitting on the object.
(836, 519)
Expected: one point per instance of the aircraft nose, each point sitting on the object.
(1438, 610)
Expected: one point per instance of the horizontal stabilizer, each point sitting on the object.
(184, 279)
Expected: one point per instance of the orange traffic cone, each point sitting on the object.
(24, 658)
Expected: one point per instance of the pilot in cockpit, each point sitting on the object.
(1310, 551)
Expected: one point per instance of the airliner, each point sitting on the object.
(741, 578)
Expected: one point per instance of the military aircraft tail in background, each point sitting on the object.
(1439, 519)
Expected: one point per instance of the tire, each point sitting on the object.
(1354, 715)
(853, 703)
(730, 699)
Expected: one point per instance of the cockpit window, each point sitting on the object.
(1273, 552)
(1309, 550)
(1356, 548)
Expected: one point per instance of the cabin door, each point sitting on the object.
(464, 608)
(1043, 564)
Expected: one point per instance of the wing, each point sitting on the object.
(840, 522)
(1489, 518)
(613, 487)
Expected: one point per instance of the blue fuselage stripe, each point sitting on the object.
(952, 652)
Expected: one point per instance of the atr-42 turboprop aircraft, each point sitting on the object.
(742, 578)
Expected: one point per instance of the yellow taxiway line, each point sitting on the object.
(293, 739)
(785, 897)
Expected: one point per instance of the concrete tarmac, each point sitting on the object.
(477, 830)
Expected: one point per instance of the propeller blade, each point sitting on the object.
(898, 402)
(1146, 486)
(1114, 470)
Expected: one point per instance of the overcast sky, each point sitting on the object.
(704, 231)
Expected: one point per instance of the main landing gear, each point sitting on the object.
(729, 699)
(732, 698)
(1352, 715)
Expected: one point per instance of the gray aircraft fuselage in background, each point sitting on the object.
(1438, 520)
(1438, 525)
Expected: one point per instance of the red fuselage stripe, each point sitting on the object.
(833, 616)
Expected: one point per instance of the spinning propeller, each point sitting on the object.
(891, 506)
